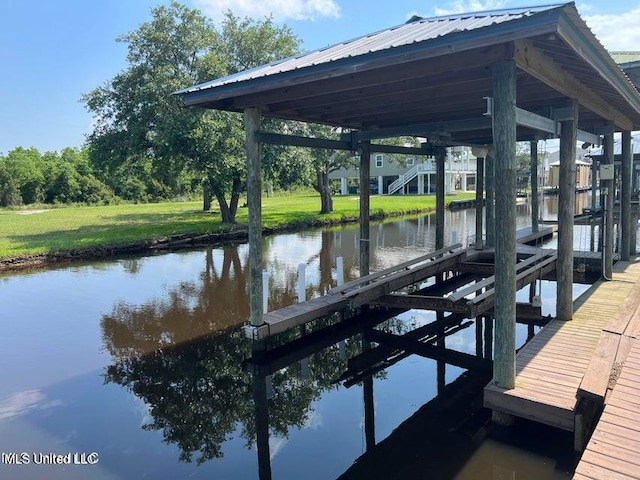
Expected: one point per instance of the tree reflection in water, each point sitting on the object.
(182, 355)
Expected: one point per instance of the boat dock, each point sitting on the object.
(567, 373)
(385, 288)
(614, 449)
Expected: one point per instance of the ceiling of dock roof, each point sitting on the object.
(435, 70)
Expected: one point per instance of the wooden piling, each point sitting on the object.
(254, 204)
(365, 173)
(534, 185)
(607, 251)
(490, 203)
(504, 137)
(566, 208)
(479, 200)
(441, 153)
(628, 232)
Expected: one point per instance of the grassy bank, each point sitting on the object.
(44, 231)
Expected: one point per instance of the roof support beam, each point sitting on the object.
(427, 129)
(553, 126)
(352, 144)
(533, 60)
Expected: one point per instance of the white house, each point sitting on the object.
(413, 175)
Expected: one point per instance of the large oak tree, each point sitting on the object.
(137, 118)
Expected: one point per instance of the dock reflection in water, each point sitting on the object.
(143, 361)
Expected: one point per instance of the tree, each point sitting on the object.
(138, 119)
(24, 166)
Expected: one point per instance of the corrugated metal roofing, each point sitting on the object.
(415, 31)
(625, 57)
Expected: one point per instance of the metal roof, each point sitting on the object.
(625, 57)
(437, 71)
(632, 70)
(416, 30)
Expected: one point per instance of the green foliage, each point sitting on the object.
(140, 122)
(27, 177)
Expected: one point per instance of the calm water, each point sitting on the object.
(141, 361)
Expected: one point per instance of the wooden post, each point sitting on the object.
(534, 185)
(479, 200)
(441, 153)
(607, 251)
(441, 365)
(566, 209)
(625, 204)
(490, 198)
(369, 413)
(479, 338)
(594, 183)
(365, 244)
(254, 204)
(504, 138)
(488, 338)
(262, 426)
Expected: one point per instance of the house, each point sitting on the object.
(583, 170)
(392, 174)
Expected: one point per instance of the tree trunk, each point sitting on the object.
(323, 188)
(235, 197)
(206, 195)
(225, 211)
(229, 209)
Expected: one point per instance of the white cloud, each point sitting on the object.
(23, 402)
(463, 6)
(617, 31)
(280, 9)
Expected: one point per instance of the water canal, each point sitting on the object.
(140, 360)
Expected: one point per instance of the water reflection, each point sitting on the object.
(143, 358)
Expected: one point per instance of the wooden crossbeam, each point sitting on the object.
(451, 357)
(429, 257)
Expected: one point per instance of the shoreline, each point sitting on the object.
(238, 234)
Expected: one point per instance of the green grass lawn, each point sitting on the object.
(29, 231)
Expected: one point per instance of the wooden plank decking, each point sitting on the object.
(550, 368)
(614, 449)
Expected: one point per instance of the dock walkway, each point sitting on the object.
(614, 449)
(551, 367)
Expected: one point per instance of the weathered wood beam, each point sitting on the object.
(490, 198)
(300, 141)
(628, 229)
(504, 133)
(400, 280)
(533, 60)
(396, 269)
(422, 302)
(566, 208)
(365, 202)
(607, 251)
(451, 357)
(426, 129)
(309, 142)
(378, 354)
(533, 147)
(479, 200)
(440, 193)
(254, 204)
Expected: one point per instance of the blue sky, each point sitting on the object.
(53, 51)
